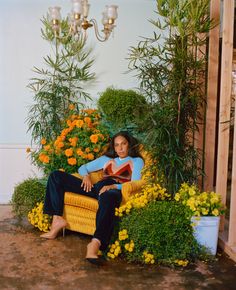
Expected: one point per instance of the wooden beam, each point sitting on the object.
(199, 134)
(212, 84)
(225, 100)
(232, 218)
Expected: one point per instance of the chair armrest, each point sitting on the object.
(130, 188)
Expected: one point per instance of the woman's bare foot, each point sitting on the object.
(58, 224)
(92, 249)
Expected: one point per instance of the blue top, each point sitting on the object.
(121, 169)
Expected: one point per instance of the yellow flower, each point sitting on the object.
(204, 211)
(38, 219)
(215, 212)
(183, 263)
(177, 196)
(148, 258)
(123, 235)
(115, 250)
(130, 246)
(200, 203)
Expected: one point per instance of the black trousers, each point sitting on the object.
(59, 182)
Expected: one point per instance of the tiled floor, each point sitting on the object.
(28, 262)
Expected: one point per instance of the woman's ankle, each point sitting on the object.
(97, 241)
(93, 248)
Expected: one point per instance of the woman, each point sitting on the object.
(121, 162)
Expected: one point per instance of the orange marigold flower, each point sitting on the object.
(101, 136)
(71, 107)
(84, 156)
(44, 158)
(64, 132)
(69, 152)
(87, 120)
(72, 161)
(79, 152)
(90, 156)
(89, 111)
(87, 150)
(43, 141)
(73, 124)
(96, 149)
(73, 117)
(79, 123)
(94, 138)
(28, 150)
(73, 141)
(60, 144)
(47, 147)
(68, 122)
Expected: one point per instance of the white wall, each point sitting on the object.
(21, 48)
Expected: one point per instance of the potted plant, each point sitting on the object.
(206, 209)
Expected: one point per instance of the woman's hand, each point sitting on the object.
(107, 187)
(87, 183)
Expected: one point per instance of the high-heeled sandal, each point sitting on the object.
(96, 261)
(53, 233)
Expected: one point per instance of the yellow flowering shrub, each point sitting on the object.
(38, 219)
(81, 140)
(147, 235)
(200, 203)
(150, 192)
(119, 245)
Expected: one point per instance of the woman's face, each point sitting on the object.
(121, 146)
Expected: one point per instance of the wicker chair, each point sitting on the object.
(80, 211)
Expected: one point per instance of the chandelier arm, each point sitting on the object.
(98, 35)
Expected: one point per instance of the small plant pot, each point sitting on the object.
(206, 230)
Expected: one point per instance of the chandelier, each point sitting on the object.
(78, 20)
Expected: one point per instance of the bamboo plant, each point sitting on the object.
(62, 82)
(171, 67)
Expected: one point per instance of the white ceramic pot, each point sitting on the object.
(206, 230)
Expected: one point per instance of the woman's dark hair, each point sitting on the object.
(133, 145)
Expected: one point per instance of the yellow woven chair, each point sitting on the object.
(80, 211)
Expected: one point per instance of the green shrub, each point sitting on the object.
(26, 195)
(162, 230)
(122, 108)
